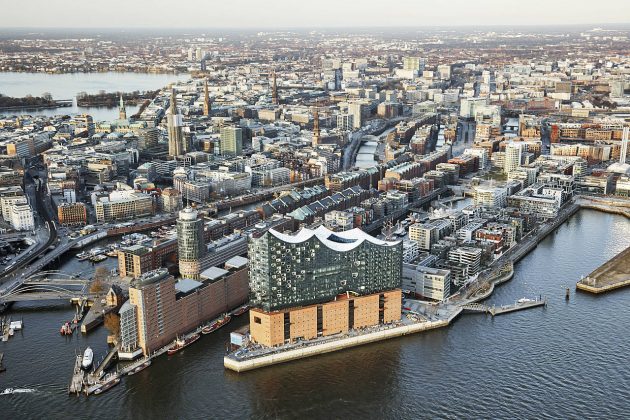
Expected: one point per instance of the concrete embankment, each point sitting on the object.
(243, 365)
(607, 209)
(606, 204)
(613, 274)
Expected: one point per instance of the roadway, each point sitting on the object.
(43, 211)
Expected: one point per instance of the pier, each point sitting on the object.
(112, 355)
(504, 309)
(78, 377)
(613, 274)
(96, 315)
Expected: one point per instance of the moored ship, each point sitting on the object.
(216, 324)
(88, 358)
(181, 344)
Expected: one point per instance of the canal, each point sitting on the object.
(567, 360)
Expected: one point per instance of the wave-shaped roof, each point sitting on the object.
(337, 241)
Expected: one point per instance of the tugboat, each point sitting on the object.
(139, 368)
(216, 325)
(180, 344)
(88, 357)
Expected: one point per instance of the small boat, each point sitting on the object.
(181, 344)
(88, 358)
(524, 300)
(98, 258)
(107, 385)
(112, 253)
(216, 325)
(82, 256)
(66, 329)
(241, 310)
(9, 391)
(16, 325)
(139, 368)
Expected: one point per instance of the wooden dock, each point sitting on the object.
(613, 274)
(78, 377)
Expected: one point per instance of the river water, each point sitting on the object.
(365, 155)
(568, 360)
(66, 86)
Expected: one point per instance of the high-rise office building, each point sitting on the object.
(148, 138)
(345, 122)
(175, 122)
(513, 156)
(415, 64)
(190, 243)
(231, 141)
(357, 110)
(320, 282)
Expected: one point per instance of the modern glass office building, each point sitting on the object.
(314, 266)
(190, 243)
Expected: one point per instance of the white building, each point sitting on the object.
(481, 154)
(411, 251)
(21, 216)
(431, 283)
(342, 220)
(356, 110)
(436, 283)
(469, 256)
(490, 196)
(345, 122)
(513, 156)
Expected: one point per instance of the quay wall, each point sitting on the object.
(603, 289)
(607, 209)
(344, 343)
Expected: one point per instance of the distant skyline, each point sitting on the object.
(270, 14)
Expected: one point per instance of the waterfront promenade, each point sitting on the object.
(501, 270)
(244, 361)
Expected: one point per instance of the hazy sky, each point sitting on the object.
(306, 13)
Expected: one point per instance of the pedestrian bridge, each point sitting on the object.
(46, 285)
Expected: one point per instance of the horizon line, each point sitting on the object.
(283, 28)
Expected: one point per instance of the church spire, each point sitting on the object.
(274, 96)
(173, 104)
(316, 131)
(122, 111)
(206, 99)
